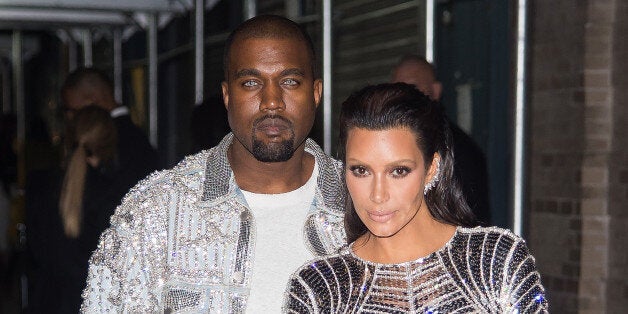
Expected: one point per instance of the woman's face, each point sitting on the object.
(385, 174)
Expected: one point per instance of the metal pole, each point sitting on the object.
(430, 13)
(327, 79)
(152, 78)
(117, 65)
(293, 9)
(250, 9)
(18, 85)
(520, 114)
(6, 87)
(72, 55)
(87, 48)
(198, 50)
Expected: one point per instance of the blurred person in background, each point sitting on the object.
(67, 212)
(470, 162)
(87, 86)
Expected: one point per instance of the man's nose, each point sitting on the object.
(272, 98)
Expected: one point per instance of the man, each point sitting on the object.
(470, 163)
(223, 230)
(86, 86)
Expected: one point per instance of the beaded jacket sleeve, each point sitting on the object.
(182, 239)
(480, 270)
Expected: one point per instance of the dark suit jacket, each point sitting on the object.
(136, 157)
(59, 264)
(471, 171)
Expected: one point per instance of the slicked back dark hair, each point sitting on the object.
(400, 105)
(268, 27)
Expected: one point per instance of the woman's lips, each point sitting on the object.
(380, 216)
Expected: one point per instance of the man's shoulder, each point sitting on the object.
(184, 178)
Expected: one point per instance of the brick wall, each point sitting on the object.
(617, 286)
(578, 179)
(556, 133)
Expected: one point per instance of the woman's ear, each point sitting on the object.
(433, 174)
(434, 170)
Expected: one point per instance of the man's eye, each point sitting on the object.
(250, 83)
(359, 171)
(400, 172)
(290, 82)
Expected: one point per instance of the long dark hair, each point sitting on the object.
(387, 106)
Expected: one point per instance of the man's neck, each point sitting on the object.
(269, 177)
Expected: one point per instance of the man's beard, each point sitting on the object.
(273, 152)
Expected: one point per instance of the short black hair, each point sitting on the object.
(268, 26)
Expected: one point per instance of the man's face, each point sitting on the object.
(73, 100)
(271, 96)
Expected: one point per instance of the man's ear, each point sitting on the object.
(225, 94)
(437, 90)
(318, 91)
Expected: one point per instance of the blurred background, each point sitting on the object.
(539, 85)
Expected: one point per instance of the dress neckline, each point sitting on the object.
(419, 260)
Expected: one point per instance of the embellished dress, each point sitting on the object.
(479, 270)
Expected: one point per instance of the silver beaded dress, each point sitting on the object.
(479, 270)
(182, 241)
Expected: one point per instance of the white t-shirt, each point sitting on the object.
(280, 247)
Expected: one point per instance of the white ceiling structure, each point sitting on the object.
(76, 22)
(33, 14)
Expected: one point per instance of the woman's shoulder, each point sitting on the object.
(487, 234)
(482, 242)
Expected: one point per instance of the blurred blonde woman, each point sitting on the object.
(94, 140)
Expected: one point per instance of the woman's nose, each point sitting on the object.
(379, 191)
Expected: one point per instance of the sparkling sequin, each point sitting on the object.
(480, 270)
(182, 239)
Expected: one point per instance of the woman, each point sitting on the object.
(411, 246)
(89, 196)
(94, 150)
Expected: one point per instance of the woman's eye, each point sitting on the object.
(400, 172)
(359, 171)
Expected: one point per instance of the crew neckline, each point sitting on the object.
(419, 260)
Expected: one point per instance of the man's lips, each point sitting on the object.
(272, 126)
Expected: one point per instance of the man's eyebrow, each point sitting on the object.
(292, 71)
(247, 72)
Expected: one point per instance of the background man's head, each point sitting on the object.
(415, 70)
(87, 86)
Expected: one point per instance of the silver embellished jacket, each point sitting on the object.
(480, 270)
(182, 239)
